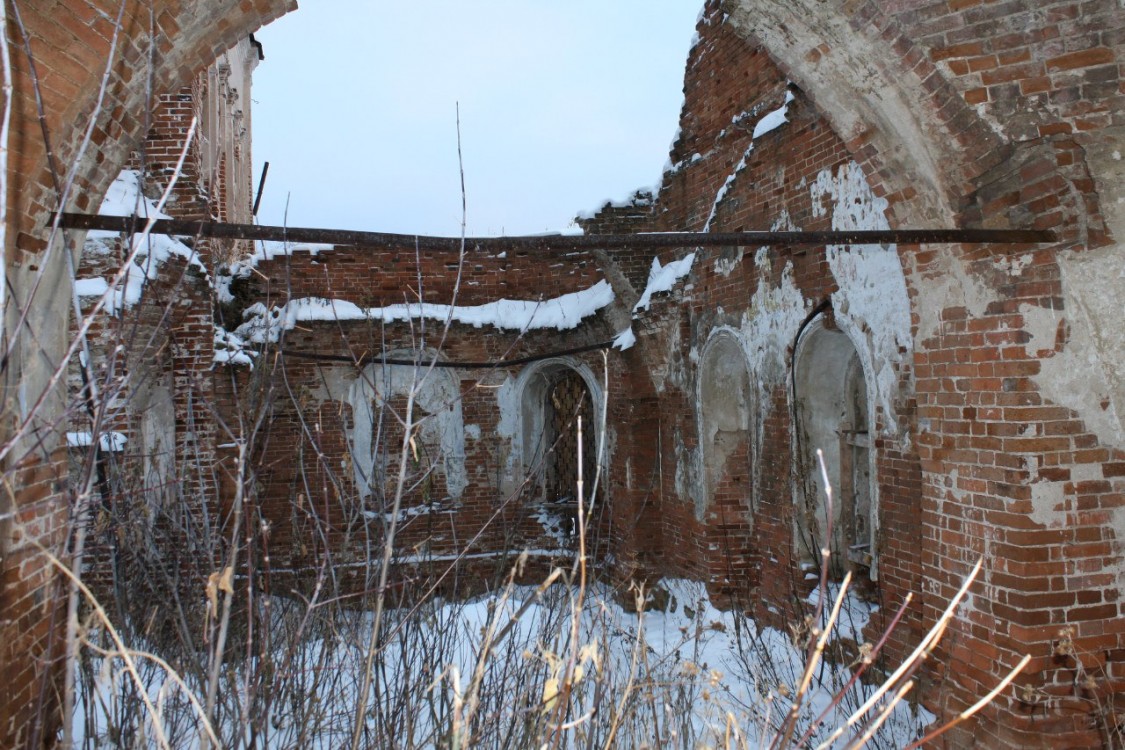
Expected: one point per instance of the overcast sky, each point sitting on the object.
(564, 103)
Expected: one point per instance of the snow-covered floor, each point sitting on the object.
(689, 676)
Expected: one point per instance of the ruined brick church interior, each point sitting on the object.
(202, 425)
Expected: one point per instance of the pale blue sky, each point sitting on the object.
(564, 103)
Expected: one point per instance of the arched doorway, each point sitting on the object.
(568, 453)
(552, 395)
(831, 415)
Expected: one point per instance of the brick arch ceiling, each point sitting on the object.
(70, 43)
(914, 135)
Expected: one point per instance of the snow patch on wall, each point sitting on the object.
(94, 287)
(111, 442)
(232, 350)
(560, 313)
(264, 250)
(124, 198)
(663, 279)
(625, 339)
(773, 120)
(555, 526)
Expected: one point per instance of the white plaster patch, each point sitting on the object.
(947, 284)
(1048, 503)
(872, 304)
(1043, 326)
(1088, 374)
(686, 464)
(508, 427)
(726, 263)
(472, 431)
(770, 323)
(1014, 266)
(437, 395)
(508, 404)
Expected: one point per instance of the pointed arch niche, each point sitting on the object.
(833, 414)
(725, 412)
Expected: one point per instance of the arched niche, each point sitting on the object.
(725, 409)
(379, 397)
(551, 394)
(833, 414)
(157, 440)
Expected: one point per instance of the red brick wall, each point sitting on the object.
(303, 470)
(372, 277)
(1013, 95)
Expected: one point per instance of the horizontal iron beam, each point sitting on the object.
(377, 359)
(557, 242)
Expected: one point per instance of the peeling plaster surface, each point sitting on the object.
(765, 331)
(725, 406)
(1107, 167)
(948, 284)
(437, 395)
(508, 429)
(687, 469)
(771, 322)
(1088, 375)
(872, 304)
(863, 87)
(158, 435)
(1048, 503)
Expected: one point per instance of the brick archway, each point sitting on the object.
(70, 44)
